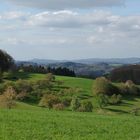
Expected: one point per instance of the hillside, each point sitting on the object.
(84, 86)
(31, 122)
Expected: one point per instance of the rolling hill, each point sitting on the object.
(31, 122)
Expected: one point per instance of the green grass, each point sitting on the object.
(84, 84)
(30, 122)
(51, 125)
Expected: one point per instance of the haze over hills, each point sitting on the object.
(92, 68)
(132, 60)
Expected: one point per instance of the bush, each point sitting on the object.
(66, 101)
(22, 96)
(23, 86)
(123, 89)
(86, 106)
(115, 99)
(49, 101)
(8, 98)
(129, 88)
(43, 84)
(135, 111)
(50, 77)
(104, 86)
(7, 84)
(59, 106)
(75, 104)
(69, 92)
(102, 100)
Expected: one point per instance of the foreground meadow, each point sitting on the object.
(42, 124)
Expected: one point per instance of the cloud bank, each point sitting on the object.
(67, 4)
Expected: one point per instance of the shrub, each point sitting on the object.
(102, 100)
(22, 96)
(75, 104)
(43, 84)
(8, 98)
(23, 86)
(66, 101)
(59, 106)
(115, 99)
(132, 88)
(50, 77)
(6, 85)
(49, 101)
(86, 106)
(69, 92)
(135, 111)
(123, 89)
(104, 86)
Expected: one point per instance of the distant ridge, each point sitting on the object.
(133, 60)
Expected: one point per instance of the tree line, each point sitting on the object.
(42, 69)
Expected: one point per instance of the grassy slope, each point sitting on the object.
(51, 125)
(86, 89)
(33, 123)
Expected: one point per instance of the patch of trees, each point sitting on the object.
(42, 69)
(108, 93)
(61, 71)
(122, 74)
(6, 61)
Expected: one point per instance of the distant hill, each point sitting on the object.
(90, 61)
(45, 61)
(109, 60)
(90, 68)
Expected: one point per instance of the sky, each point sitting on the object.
(70, 29)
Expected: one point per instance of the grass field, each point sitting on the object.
(28, 122)
(51, 125)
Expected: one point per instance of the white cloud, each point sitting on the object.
(71, 30)
(13, 15)
(67, 4)
(66, 19)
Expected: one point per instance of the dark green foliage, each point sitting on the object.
(66, 101)
(49, 101)
(75, 104)
(6, 61)
(86, 106)
(104, 86)
(44, 70)
(122, 74)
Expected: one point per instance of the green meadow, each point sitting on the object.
(30, 122)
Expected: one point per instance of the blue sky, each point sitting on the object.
(70, 29)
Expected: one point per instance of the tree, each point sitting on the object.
(6, 61)
(104, 86)
(8, 98)
(49, 101)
